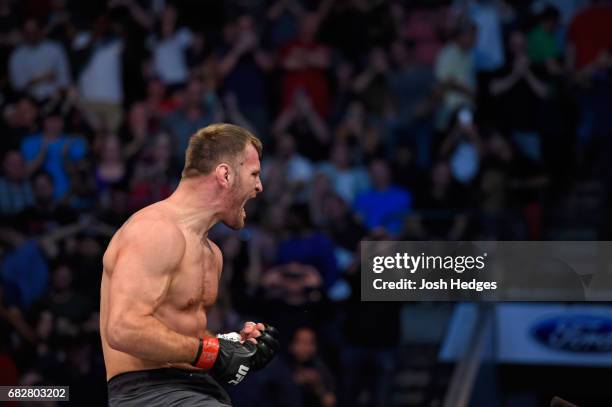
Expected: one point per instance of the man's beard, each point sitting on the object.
(238, 213)
(237, 220)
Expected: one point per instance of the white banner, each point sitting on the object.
(544, 334)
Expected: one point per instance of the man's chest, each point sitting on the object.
(197, 281)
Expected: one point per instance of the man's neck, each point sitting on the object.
(196, 205)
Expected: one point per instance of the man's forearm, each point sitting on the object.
(152, 340)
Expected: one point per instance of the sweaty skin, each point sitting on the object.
(161, 272)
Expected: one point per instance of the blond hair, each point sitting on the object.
(212, 144)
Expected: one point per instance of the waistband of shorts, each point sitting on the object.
(150, 375)
(142, 384)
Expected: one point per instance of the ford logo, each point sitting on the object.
(575, 333)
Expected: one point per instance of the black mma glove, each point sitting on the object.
(230, 361)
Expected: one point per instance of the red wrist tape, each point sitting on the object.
(210, 350)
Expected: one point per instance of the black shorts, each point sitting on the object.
(166, 387)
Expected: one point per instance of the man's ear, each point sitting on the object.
(223, 174)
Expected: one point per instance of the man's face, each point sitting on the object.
(246, 185)
(304, 345)
(62, 278)
(43, 189)
(14, 166)
(467, 39)
(379, 173)
(31, 32)
(54, 125)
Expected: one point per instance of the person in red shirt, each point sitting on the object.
(590, 60)
(590, 36)
(304, 61)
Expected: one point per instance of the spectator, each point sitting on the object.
(115, 210)
(244, 65)
(169, 47)
(567, 8)
(542, 46)
(494, 193)
(307, 246)
(341, 224)
(46, 212)
(383, 205)
(518, 87)
(366, 133)
(347, 179)
(309, 370)
(519, 188)
(462, 146)
(589, 39)
(12, 320)
(306, 125)
(342, 92)
(590, 59)
(101, 80)
(421, 27)
(15, 187)
(305, 61)
(403, 161)
(443, 208)
(272, 387)
(320, 188)
(487, 16)
(371, 85)
(151, 179)
(68, 305)
(159, 104)
(54, 152)
(518, 90)
(456, 72)
(294, 284)
(412, 91)
(47, 348)
(233, 113)
(288, 172)
(111, 168)
(283, 19)
(136, 130)
(20, 120)
(24, 269)
(39, 67)
(197, 109)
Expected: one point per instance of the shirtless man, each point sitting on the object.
(161, 274)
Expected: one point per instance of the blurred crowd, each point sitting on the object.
(404, 120)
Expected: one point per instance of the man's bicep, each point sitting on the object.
(143, 272)
(136, 288)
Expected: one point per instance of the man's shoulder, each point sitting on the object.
(31, 142)
(153, 224)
